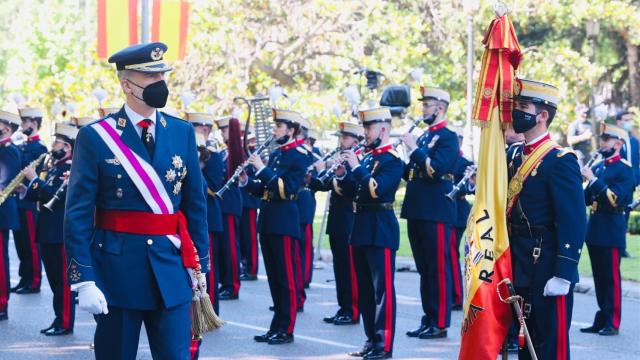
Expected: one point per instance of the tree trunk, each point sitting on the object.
(634, 74)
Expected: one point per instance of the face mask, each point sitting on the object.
(282, 140)
(607, 153)
(58, 154)
(374, 144)
(430, 119)
(155, 95)
(523, 121)
(627, 125)
(27, 131)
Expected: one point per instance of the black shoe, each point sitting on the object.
(625, 253)
(247, 277)
(456, 307)
(512, 348)
(306, 286)
(58, 332)
(20, 285)
(608, 331)
(47, 329)
(377, 354)
(272, 308)
(4, 316)
(300, 309)
(433, 333)
(264, 337)
(591, 329)
(227, 295)
(416, 332)
(344, 320)
(330, 319)
(362, 352)
(27, 290)
(280, 338)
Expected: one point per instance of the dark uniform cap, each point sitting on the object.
(142, 57)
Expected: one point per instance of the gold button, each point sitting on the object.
(149, 242)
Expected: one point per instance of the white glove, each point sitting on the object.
(91, 299)
(556, 287)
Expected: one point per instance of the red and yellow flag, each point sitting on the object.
(169, 24)
(117, 25)
(487, 258)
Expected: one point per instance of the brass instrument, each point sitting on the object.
(241, 168)
(468, 173)
(56, 195)
(11, 187)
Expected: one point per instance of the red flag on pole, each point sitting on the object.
(117, 25)
(169, 24)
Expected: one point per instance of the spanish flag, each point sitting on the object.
(487, 258)
(117, 25)
(169, 24)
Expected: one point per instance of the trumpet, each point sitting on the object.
(241, 168)
(335, 166)
(468, 173)
(57, 195)
(10, 188)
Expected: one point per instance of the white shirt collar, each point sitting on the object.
(536, 139)
(136, 118)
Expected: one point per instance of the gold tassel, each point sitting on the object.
(203, 316)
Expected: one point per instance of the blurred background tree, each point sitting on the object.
(312, 47)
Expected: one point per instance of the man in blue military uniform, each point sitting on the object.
(9, 168)
(248, 231)
(546, 217)
(50, 193)
(430, 214)
(213, 176)
(25, 238)
(373, 185)
(136, 215)
(231, 204)
(631, 152)
(339, 226)
(278, 184)
(609, 191)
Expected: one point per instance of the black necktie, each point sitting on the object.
(147, 138)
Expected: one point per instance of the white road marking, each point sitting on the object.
(303, 337)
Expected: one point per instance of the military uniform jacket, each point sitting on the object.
(551, 204)
(213, 175)
(231, 202)
(9, 168)
(340, 218)
(608, 197)
(635, 157)
(142, 272)
(375, 181)
(49, 227)
(429, 178)
(278, 185)
(30, 150)
(306, 201)
(463, 208)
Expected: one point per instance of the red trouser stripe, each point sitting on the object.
(442, 280)
(4, 296)
(388, 301)
(561, 313)
(212, 271)
(235, 276)
(308, 251)
(35, 256)
(66, 292)
(298, 273)
(254, 242)
(292, 285)
(615, 272)
(455, 269)
(194, 346)
(354, 285)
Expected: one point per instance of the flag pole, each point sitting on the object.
(144, 24)
(515, 301)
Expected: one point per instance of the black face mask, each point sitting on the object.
(523, 121)
(430, 119)
(283, 140)
(374, 144)
(58, 154)
(155, 94)
(27, 131)
(607, 153)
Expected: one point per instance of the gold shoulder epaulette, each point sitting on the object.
(302, 150)
(626, 162)
(394, 153)
(564, 151)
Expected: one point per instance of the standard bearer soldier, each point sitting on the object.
(135, 224)
(49, 191)
(376, 235)
(430, 214)
(609, 191)
(546, 217)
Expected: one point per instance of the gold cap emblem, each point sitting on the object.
(156, 54)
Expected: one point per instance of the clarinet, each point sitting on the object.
(326, 157)
(56, 195)
(335, 166)
(471, 170)
(241, 168)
